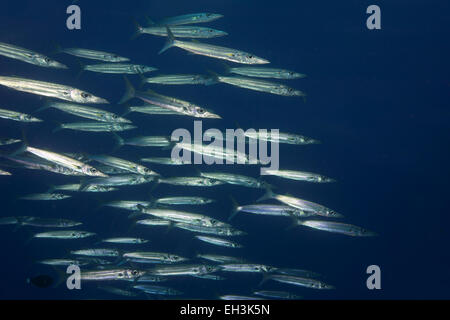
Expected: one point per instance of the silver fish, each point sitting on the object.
(337, 227)
(93, 54)
(219, 242)
(220, 258)
(166, 161)
(299, 175)
(157, 290)
(123, 164)
(153, 257)
(299, 281)
(45, 196)
(261, 86)
(125, 240)
(28, 56)
(181, 79)
(111, 274)
(264, 72)
(191, 181)
(96, 126)
(17, 116)
(181, 31)
(66, 234)
(119, 68)
(101, 252)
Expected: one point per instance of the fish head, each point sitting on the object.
(28, 118)
(291, 74)
(287, 91)
(91, 171)
(304, 140)
(145, 171)
(200, 112)
(44, 61)
(249, 58)
(84, 97)
(81, 234)
(175, 258)
(115, 118)
(213, 16)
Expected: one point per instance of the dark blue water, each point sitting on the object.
(378, 101)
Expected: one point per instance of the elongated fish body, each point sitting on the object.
(183, 201)
(118, 291)
(125, 240)
(123, 164)
(8, 141)
(94, 55)
(190, 19)
(219, 231)
(191, 181)
(300, 281)
(337, 227)
(180, 79)
(76, 187)
(28, 56)
(85, 112)
(235, 179)
(63, 262)
(4, 173)
(128, 205)
(65, 162)
(52, 90)
(150, 278)
(9, 220)
(152, 109)
(183, 32)
(111, 170)
(264, 72)
(213, 51)
(299, 175)
(261, 85)
(277, 294)
(47, 223)
(219, 258)
(153, 257)
(271, 210)
(45, 196)
(183, 270)
(154, 222)
(117, 181)
(166, 161)
(299, 273)
(246, 267)
(219, 242)
(119, 68)
(64, 235)
(112, 274)
(209, 277)
(220, 153)
(184, 217)
(34, 164)
(287, 138)
(96, 126)
(146, 141)
(17, 116)
(237, 297)
(96, 252)
(157, 290)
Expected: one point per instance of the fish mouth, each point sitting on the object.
(214, 116)
(101, 101)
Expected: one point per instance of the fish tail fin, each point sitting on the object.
(47, 104)
(59, 127)
(235, 209)
(170, 41)
(264, 279)
(213, 75)
(82, 68)
(127, 110)
(129, 91)
(138, 30)
(57, 48)
(268, 195)
(149, 21)
(118, 141)
(304, 97)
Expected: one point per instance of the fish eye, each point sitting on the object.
(134, 272)
(250, 56)
(120, 274)
(201, 111)
(93, 170)
(114, 116)
(185, 108)
(85, 95)
(47, 60)
(290, 89)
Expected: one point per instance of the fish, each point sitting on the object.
(166, 161)
(125, 240)
(219, 242)
(182, 216)
(5, 173)
(96, 126)
(157, 290)
(118, 291)
(301, 204)
(63, 262)
(143, 141)
(261, 86)
(119, 68)
(264, 72)
(38, 164)
(66, 234)
(281, 137)
(97, 252)
(237, 297)
(111, 274)
(117, 181)
(170, 103)
(240, 267)
(29, 56)
(299, 175)
(181, 31)
(65, 161)
(154, 222)
(180, 79)
(76, 187)
(9, 220)
(93, 54)
(191, 181)
(151, 278)
(299, 281)
(270, 210)
(8, 141)
(212, 51)
(127, 205)
(277, 294)
(85, 112)
(189, 19)
(47, 222)
(183, 201)
(52, 90)
(123, 164)
(220, 231)
(153, 257)
(337, 227)
(235, 179)
(183, 270)
(45, 196)
(151, 109)
(220, 153)
(220, 258)
(18, 116)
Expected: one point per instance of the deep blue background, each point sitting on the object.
(378, 100)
